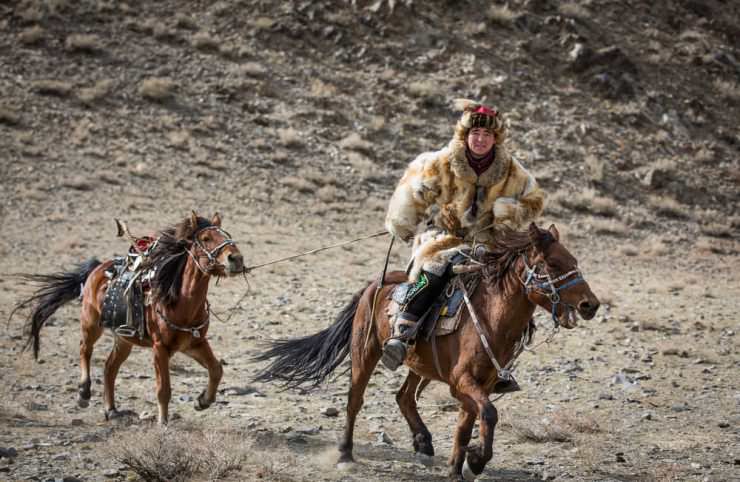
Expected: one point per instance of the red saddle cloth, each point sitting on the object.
(141, 245)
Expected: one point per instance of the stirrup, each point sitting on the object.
(394, 353)
(127, 331)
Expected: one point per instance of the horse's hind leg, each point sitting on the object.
(90, 332)
(406, 399)
(203, 354)
(118, 355)
(364, 360)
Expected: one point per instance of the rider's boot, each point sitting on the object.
(420, 297)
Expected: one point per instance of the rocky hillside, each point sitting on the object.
(627, 110)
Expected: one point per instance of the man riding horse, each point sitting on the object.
(462, 195)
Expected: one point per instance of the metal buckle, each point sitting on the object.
(125, 331)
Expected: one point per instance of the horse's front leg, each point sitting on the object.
(465, 421)
(162, 370)
(202, 353)
(472, 394)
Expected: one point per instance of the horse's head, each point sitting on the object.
(214, 244)
(553, 281)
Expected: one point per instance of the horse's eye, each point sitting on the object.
(206, 239)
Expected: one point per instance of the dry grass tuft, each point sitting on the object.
(579, 423)
(728, 89)
(9, 116)
(500, 15)
(298, 184)
(205, 42)
(717, 230)
(32, 36)
(573, 10)
(612, 227)
(179, 454)
(90, 95)
(586, 201)
(158, 89)
(669, 207)
(354, 142)
(595, 167)
(57, 88)
(655, 246)
(252, 69)
(425, 89)
(540, 431)
(322, 90)
(328, 193)
(290, 137)
(185, 22)
(161, 31)
(84, 43)
(262, 23)
(706, 245)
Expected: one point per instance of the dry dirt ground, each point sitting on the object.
(294, 122)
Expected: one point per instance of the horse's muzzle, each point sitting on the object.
(235, 264)
(588, 308)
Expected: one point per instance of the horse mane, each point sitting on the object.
(503, 252)
(169, 258)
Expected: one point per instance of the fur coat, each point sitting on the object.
(433, 202)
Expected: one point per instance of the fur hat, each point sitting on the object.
(476, 114)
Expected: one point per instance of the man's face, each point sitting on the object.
(480, 140)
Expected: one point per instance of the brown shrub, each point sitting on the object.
(290, 137)
(205, 42)
(179, 454)
(609, 226)
(354, 142)
(157, 88)
(32, 36)
(56, 88)
(540, 431)
(573, 10)
(322, 90)
(84, 43)
(500, 15)
(586, 201)
(90, 95)
(727, 89)
(9, 116)
(298, 184)
(669, 207)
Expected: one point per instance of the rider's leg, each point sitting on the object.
(423, 293)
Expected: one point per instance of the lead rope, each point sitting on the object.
(317, 250)
(377, 291)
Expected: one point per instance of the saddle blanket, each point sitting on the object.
(445, 313)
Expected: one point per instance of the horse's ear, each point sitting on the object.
(534, 232)
(216, 219)
(193, 221)
(554, 231)
(539, 237)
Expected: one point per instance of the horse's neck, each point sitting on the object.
(193, 292)
(507, 307)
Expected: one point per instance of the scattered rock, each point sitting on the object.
(384, 438)
(330, 412)
(8, 452)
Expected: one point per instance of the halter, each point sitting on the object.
(545, 284)
(212, 254)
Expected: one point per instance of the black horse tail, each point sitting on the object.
(54, 291)
(310, 359)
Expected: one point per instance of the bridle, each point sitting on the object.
(212, 255)
(544, 284)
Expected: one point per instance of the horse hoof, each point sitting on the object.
(83, 403)
(468, 473)
(424, 459)
(199, 403)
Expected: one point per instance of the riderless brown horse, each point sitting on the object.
(184, 258)
(522, 271)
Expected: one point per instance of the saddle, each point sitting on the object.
(126, 296)
(445, 313)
